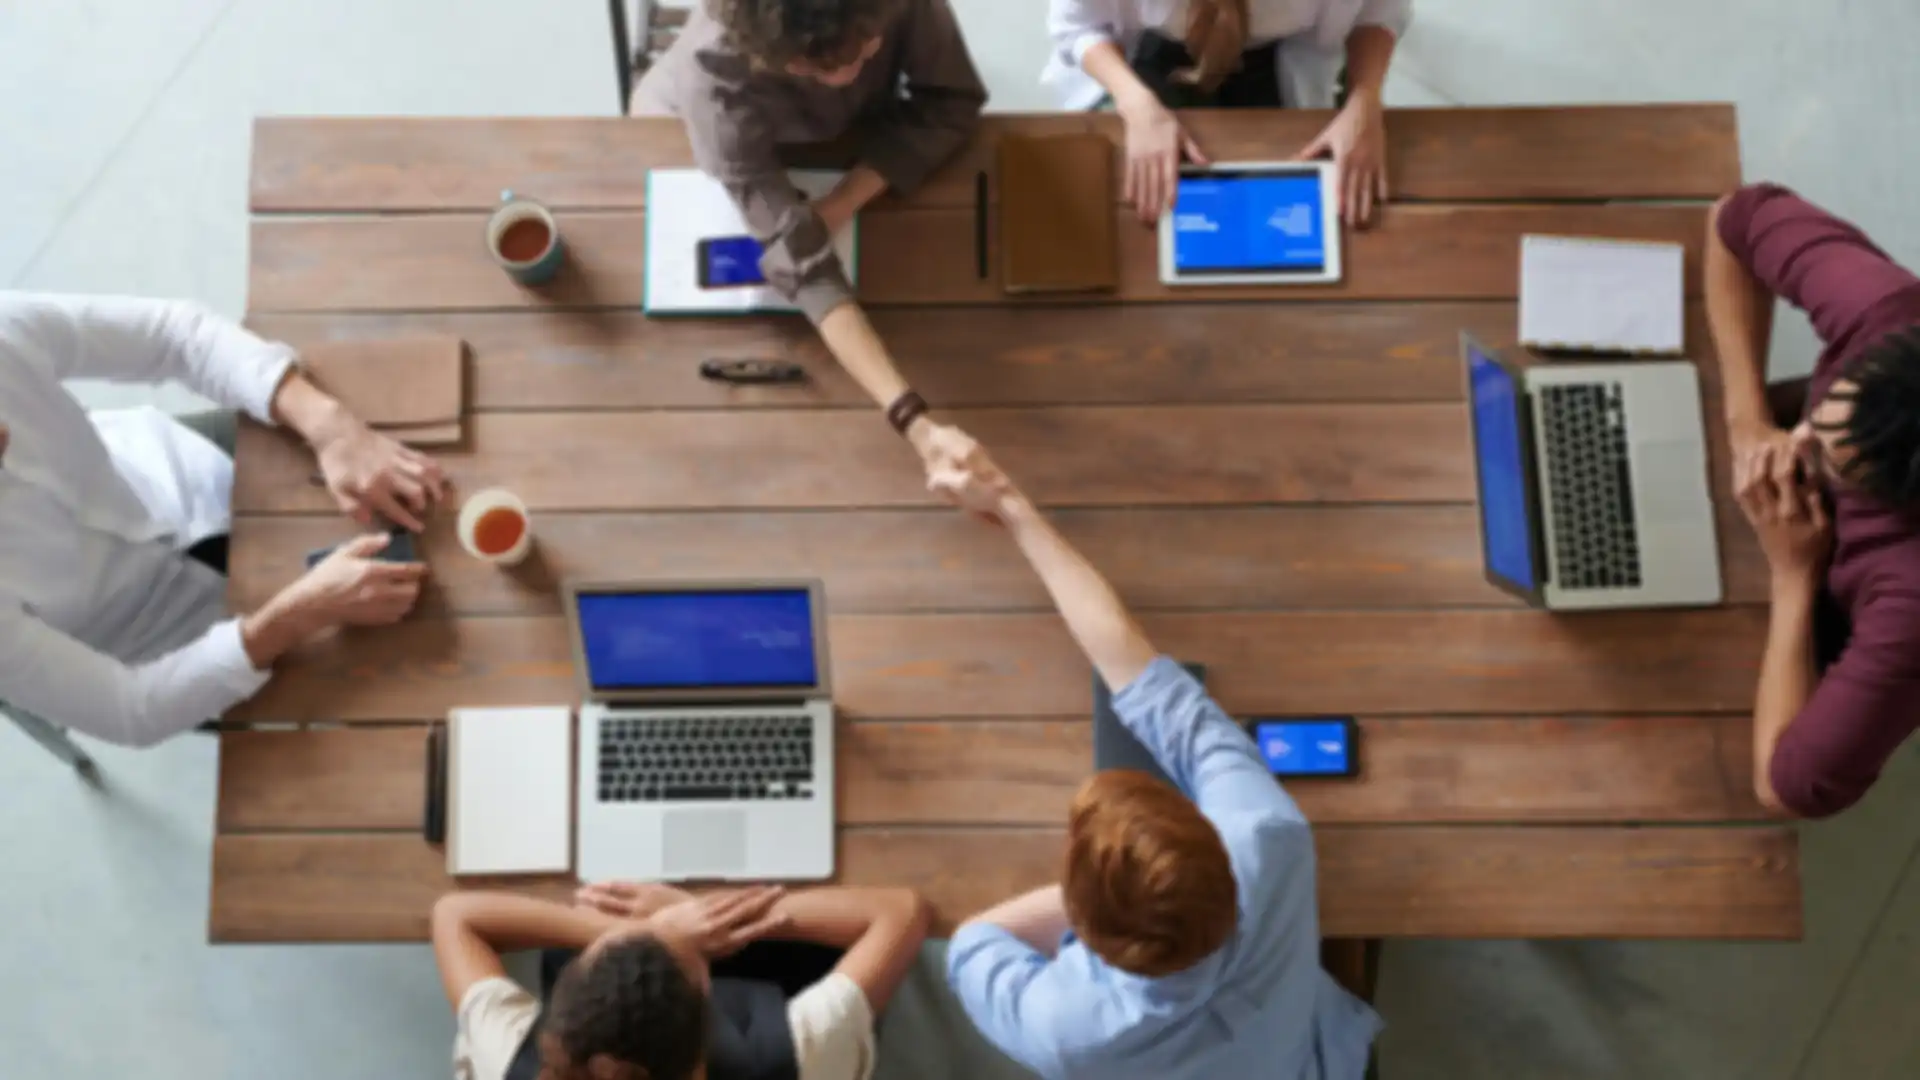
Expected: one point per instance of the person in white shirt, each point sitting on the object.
(1152, 56)
(113, 615)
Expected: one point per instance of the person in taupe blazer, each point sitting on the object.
(748, 77)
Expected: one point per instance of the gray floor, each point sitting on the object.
(123, 154)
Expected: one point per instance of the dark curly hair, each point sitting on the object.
(826, 34)
(1884, 429)
(632, 1003)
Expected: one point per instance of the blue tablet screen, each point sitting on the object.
(1249, 223)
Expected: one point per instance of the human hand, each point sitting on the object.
(1792, 524)
(1155, 144)
(629, 899)
(1357, 141)
(978, 487)
(352, 588)
(1763, 454)
(722, 923)
(942, 446)
(370, 473)
(835, 211)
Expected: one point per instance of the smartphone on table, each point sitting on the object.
(729, 262)
(1307, 746)
(399, 549)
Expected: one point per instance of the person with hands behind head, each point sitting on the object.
(1837, 453)
(751, 77)
(1151, 57)
(113, 615)
(656, 992)
(1183, 940)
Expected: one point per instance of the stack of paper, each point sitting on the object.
(1602, 295)
(686, 206)
(509, 791)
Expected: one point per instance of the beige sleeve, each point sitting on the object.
(495, 1016)
(832, 1030)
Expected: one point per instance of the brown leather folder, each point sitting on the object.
(411, 388)
(1057, 231)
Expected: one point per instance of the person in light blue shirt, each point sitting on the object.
(1183, 941)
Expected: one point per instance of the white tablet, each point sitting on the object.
(1253, 223)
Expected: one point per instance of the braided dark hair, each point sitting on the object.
(1883, 430)
(826, 34)
(631, 1003)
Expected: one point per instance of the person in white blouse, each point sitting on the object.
(113, 614)
(1152, 56)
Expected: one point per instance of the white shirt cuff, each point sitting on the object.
(262, 380)
(227, 660)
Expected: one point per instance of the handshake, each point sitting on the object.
(960, 471)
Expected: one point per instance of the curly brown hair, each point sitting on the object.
(825, 34)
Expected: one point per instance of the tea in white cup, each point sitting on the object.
(494, 527)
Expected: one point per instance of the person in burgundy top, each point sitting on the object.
(1827, 470)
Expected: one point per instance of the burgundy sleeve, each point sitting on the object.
(1866, 705)
(1822, 265)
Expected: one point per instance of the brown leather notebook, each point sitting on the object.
(1057, 231)
(411, 388)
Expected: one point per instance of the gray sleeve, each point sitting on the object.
(735, 147)
(941, 109)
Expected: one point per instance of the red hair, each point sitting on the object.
(1148, 886)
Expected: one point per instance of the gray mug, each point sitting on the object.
(525, 240)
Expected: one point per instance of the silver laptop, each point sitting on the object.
(1593, 482)
(706, 731)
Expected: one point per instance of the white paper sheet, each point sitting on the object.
(686, 206)
(1602, 295)
(510, 791)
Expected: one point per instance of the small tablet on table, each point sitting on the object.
(1252, 223)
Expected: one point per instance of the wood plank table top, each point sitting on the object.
(1276, 478)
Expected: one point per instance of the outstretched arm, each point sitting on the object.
(1099, 622)
(1205, 753)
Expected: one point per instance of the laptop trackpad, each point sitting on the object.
(1668, 483)
(704, 844)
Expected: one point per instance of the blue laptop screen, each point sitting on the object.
(1249, 223)
(698, 640)
(1500, 461)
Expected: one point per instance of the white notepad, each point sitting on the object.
(686, 206)
(1602, 295)
(510, 791)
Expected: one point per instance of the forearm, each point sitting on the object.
(1037, 918)
(858, 348)
(471, 930)
(860, 186)
(1369, 55)
(1108, 67)
(1099, 622)
(1786, 673)
(1740, 320)
(278, 627)
(311, 412)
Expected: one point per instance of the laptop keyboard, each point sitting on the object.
(706, 758)
(1590, 482)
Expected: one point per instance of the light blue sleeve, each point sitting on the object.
(1211, 758)
(1010, 992)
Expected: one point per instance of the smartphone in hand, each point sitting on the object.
(400, 549)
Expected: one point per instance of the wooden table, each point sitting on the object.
(1281, 487)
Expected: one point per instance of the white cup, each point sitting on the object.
(477, 509)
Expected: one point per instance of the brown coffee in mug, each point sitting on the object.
(525, 240)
